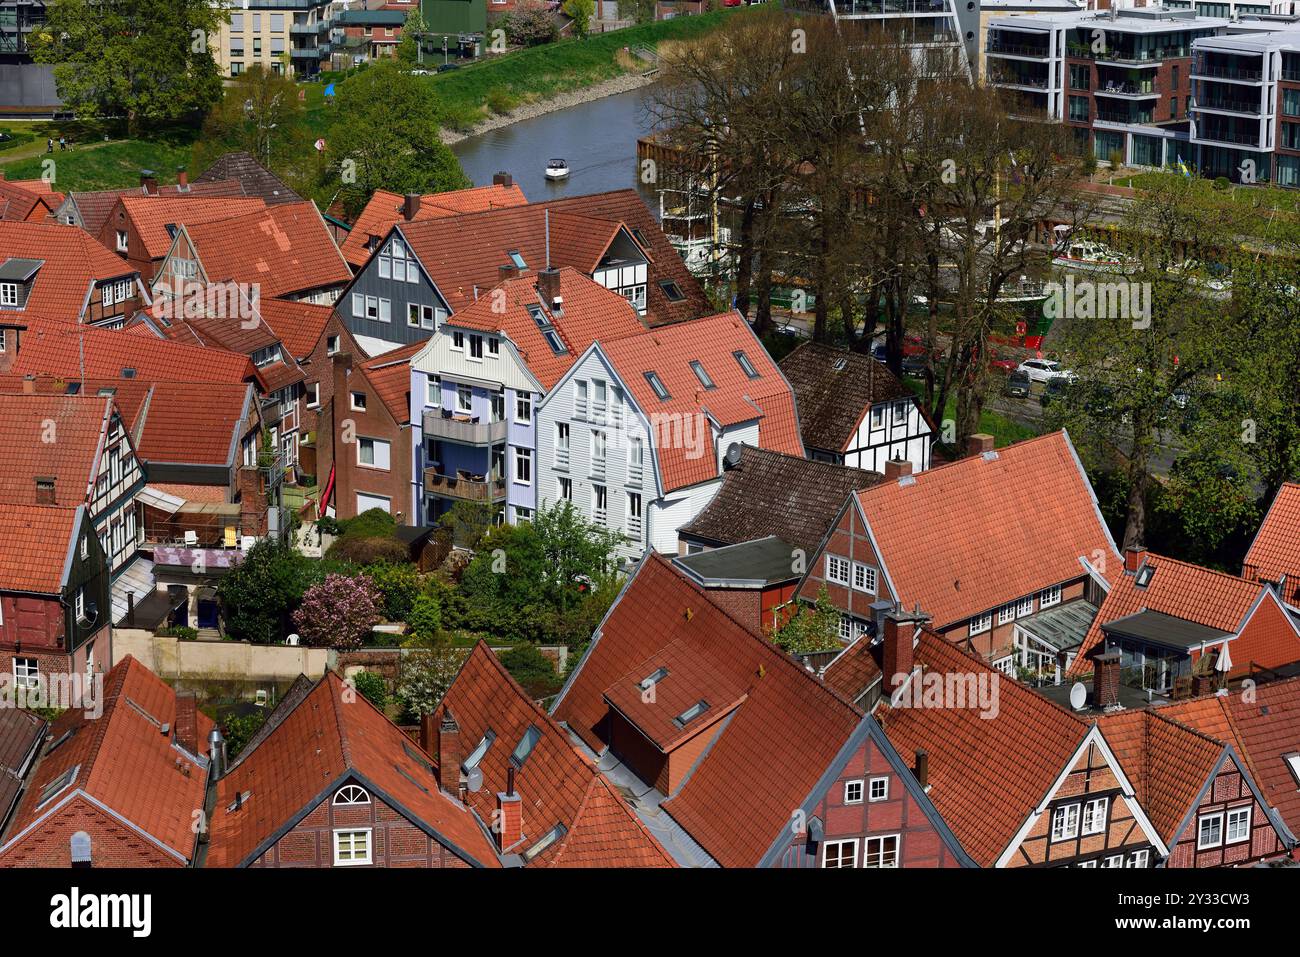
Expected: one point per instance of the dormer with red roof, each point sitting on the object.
(981, 544)
(635, 432)
(141, 229)
(59, 272)
(1179, 628)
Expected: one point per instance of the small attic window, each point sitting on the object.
(640, 237)
(1293, 765)
(691, 713)
(539, 316)
(128, 372)
(650, 680)
(554, 342)
(698, 368)
(1144, 576)
(517, 259)
(672, 290)
(746, 365)
(839, 364)
(58, 785)
(477, 754)
(525, 746)
(657, 384)
(549, 838)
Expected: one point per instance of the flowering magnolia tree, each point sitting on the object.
(339, 612)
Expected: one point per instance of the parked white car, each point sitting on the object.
(1040, 370)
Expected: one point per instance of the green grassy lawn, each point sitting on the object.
(1004, 430)
(94, 162)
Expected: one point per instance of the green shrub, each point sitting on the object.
(238, 729)
(425, 617)
(182, 632)
(532, 669)
(399, 583)
(368, 551)
(373, 688)
(500, 101)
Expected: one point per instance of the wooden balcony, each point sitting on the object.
(465, 486)
(461, 429)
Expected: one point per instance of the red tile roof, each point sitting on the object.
(1167, 763)
(390, 376)
(94, 206)
(124, 763)
(55, 436)
(590, 312)
(766, 758)
(1276, 549)
(149, 216)
(327, 737)
(298, 324)
(556, 784)
(70, 350)
(38, 546)
(964, 538)
(72, 260)
(284, 248)
(986, 774)
(668, 352)
(19, 203)
(462, 253)
(384, 211)
(1190, 592)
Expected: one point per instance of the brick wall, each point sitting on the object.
(112, 844)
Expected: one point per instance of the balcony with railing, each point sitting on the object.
(1126, 90)
(1008, 48)
(1227, 133)
(464, 485)
(465, 430)
(1223, 104)
(1227, 67)
(879, 8)
(1017, 79)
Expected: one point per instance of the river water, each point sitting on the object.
(598, 139)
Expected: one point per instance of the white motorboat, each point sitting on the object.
(557, 169)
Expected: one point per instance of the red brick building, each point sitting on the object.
(140, 229)
(124, 788)
(331, 782)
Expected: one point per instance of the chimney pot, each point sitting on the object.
(896, 469)
(410, 206)
(507, 271)
(510, 781)
(149, 182)
(548, 285)
(182, 178)
(1105, 680)
(1135, 556)
(503, 179)
(979, 443)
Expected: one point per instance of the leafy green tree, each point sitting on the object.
(145, 60)
(408, 48)
(815, 628)
(581, 11)
(529, 24)
(387, 137)
(425, 617)
(533, 670)
(238, 730)
(261, 115)
(258, 595)
(638, 11)
(427, 673)
(373, 687)
(400, 584)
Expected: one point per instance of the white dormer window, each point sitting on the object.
(1049, 597)
(122, 241)
(981, 623)
(8, 293)
(1065, 822)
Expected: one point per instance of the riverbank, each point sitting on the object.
(598, 91)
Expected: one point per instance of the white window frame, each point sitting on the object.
(868, 856)
(1143, 856)
(877, 417)
(1025, 607)
(1007, 613)
(1065, 822)
(1093, 820)
(852, 858)
(29, 675)
(1201, 822)
(123, 241)
(878, 789)
(981, 623)
(1236, 812)
(838, 570)
(1049, 597)
(352, 401)
(313, 395)
(523, 455)
(864, 578)
(523, 407)
(351, 794)
(563, 489)
(854, 791)
(350, 834)
(464, 398)
(846, 628)
(375, 446)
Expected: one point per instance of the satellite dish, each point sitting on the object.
(732, 458)
(474, 780)
(1078, 695)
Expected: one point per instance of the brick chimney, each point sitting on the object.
(410, 206)
(896, 648)
(1135, 556)
(45, 490)
(252, 501)
(187, 721)
(503, 179)
(182, 179)
(979, 443)
(548, 285)
(509, 824)
(148, 182)
(29, 384)
(1105, 680)
(428, 733)
(507, 271)
(896, 468)
(449, 753)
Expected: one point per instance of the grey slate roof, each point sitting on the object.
(770, 493)
(753, 564)
(833, 389)
(256, 180)
(1164, 629)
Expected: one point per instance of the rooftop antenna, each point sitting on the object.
(548, 238)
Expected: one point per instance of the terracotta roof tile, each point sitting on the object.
(832, 401)
(590, 312)
(1268, 729)
(986, 774)
(71, 261)
(284, 249)
(94, 206)
(1210, 598)
(772, 750)
(1276, 549)
(124, 763)
(736, 398)
(771, 493)
(384, 211)
(964, 538)
(149, 216)
(390, 375)
(38, 542)
(20, 203)
(556, 784)
(326, 736)
(54, 436)
(298, 324)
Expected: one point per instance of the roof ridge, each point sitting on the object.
(1155, 713)
(1204, 568)
(967, 459)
